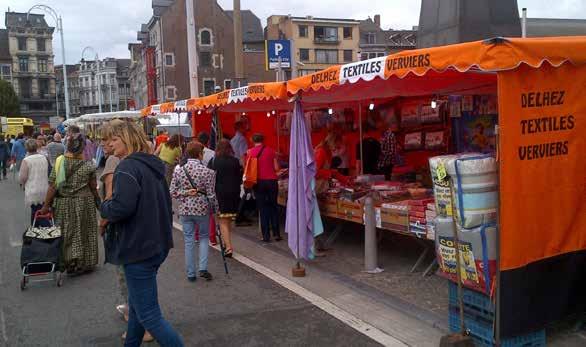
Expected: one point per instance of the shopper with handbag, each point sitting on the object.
(193, 185)
(228, 181)
(73, 196)
(266, 189)
(140, 233)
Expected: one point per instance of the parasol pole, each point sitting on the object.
(298, 270)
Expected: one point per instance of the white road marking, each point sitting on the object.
(323, 304)
(3, 326)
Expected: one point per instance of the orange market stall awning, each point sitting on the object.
(168, 107)
(253, 97)
(467, 68)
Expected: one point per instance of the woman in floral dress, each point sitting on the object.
(73, 196)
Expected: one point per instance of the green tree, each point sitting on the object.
(9, 105)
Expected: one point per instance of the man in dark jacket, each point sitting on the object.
(142, 220)
(4, 155)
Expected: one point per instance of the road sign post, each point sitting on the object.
(278, 53)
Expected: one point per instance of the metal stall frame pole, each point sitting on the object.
(360, 139)
(370, 244)
(458, 262)
(497, 310)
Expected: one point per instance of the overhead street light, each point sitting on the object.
(59, 28)
(97, 74)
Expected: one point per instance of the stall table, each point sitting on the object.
(344, 211)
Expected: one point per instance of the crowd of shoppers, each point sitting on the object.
(131, 185)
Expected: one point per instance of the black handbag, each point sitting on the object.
(112, 244)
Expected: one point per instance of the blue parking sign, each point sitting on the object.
(278, 49)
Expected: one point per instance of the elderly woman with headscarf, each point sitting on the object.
(73, 197)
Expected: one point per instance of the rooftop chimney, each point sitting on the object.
(377, 20)
(449, 22)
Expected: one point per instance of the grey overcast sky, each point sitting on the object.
(110, 25)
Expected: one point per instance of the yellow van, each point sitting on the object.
(15, 126)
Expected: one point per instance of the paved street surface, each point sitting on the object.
(242, 309)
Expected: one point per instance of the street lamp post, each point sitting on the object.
(59, 27)
(110, 89)
(98, 82)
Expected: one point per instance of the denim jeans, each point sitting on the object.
(189, 224)
(143, 304)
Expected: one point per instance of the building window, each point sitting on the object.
(205, 37)
(326, 56)
(169, 59)
(348, 55)
(42, 65)
(43, 88)
(347, 32)
(25, 87)
(209, 85)
(371, 55)
(326, 34)
(22, 43)
(303, 31)
(303, 54)
(171, 93)
(227, 84)
(23, 64)
(371, 38)
(5, 71)
(205, 59)
(41, 45)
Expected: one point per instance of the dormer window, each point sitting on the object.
(205, 37)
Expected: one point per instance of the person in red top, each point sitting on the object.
(162, 138)
(323, 162)
(267, 188)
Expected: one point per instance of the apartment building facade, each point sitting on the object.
(5, 57)
(73, 90)
(377, 42)
(160, 58)
(317, 42)
(32, 72)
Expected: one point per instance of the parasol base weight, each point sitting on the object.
(456, 340)
(298, 271)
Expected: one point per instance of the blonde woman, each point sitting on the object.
(107, 186)
(141, 219)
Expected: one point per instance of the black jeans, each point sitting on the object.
(266, 192)
(4, 166)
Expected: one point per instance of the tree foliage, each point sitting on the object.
(9, 105)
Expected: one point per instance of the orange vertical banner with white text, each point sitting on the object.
(542, 124)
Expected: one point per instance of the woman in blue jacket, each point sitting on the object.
(143, 231)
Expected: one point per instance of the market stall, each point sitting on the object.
(517, 203)
(540, 187)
